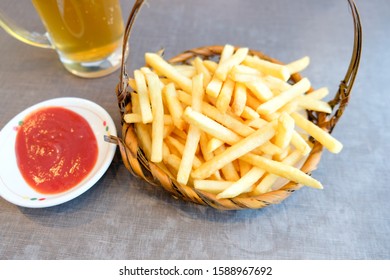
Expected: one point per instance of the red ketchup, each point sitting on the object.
(55, 149)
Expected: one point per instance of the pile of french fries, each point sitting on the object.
(232, 127)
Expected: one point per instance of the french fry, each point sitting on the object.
(256, 123)
(168, 129)
(141, 129)
(188, 71)
(300, 144)
(174, 106)
(279, 101)
(181, 134)
(312, 104)
(144, 138)
(158, 117)
(239, 99)
(212, 186)
(226, 53)
(213, 144)
(298, 65)
(172, 149)
(132, 84)
(285, 131)
(242, 74)
(163, 67)
(252, 101)
(283, 170)
(269, 180)
(166, 151)
(327, 140)
(143, 97)
(193, 132)
(224, 97)
(146, 70)
(318, 94)
(188, 156)
(173, 161)
(180, 148)
(244, 167)
(214, 87)
(249, 114)
(235, 151)
(276, 85)
(210, 126)
(210, 65)
(228, 171)
(213, 113)
(280, 71)
(132, 118)
(168, 120)
(179, 145)
(244, 184)
(290, 107)
(203, 146)
(225, 66)
(269, 149)
(197, 92)
(207, 155)
(260, 90)
(201, 68)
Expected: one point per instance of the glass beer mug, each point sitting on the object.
(86, 34)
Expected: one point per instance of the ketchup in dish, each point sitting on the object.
(55, 149)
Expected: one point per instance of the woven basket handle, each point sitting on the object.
(338, 103)
(341, 98)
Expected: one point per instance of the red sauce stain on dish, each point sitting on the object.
(55, 149)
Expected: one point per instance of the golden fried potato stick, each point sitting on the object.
(234, 152)
(285, 129)
(269, 180)
(243, 185)
(327, 140)
(226, 65)
(143, 97)
(142, 129)
(225, 96)
(239, 99)
(300, 144)
(158, 117)
(298, 65)
(226, 120)
(282, 99)
(283, 170)
(212, 186)
(260, 90)
(174, 106)
(229, 171)
(194, 132)
(201, 68)
(318, 93)
(166, 69)
(210, 126)
(132, 118)
(277, 70)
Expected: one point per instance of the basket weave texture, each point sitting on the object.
(134, 158)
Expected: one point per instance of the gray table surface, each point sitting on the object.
(122, 217)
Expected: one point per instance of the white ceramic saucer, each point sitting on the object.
(14, 189)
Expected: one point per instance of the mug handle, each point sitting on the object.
(32, 38)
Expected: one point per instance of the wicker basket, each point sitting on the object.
(136, 162)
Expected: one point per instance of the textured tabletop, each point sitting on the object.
(122, 217)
